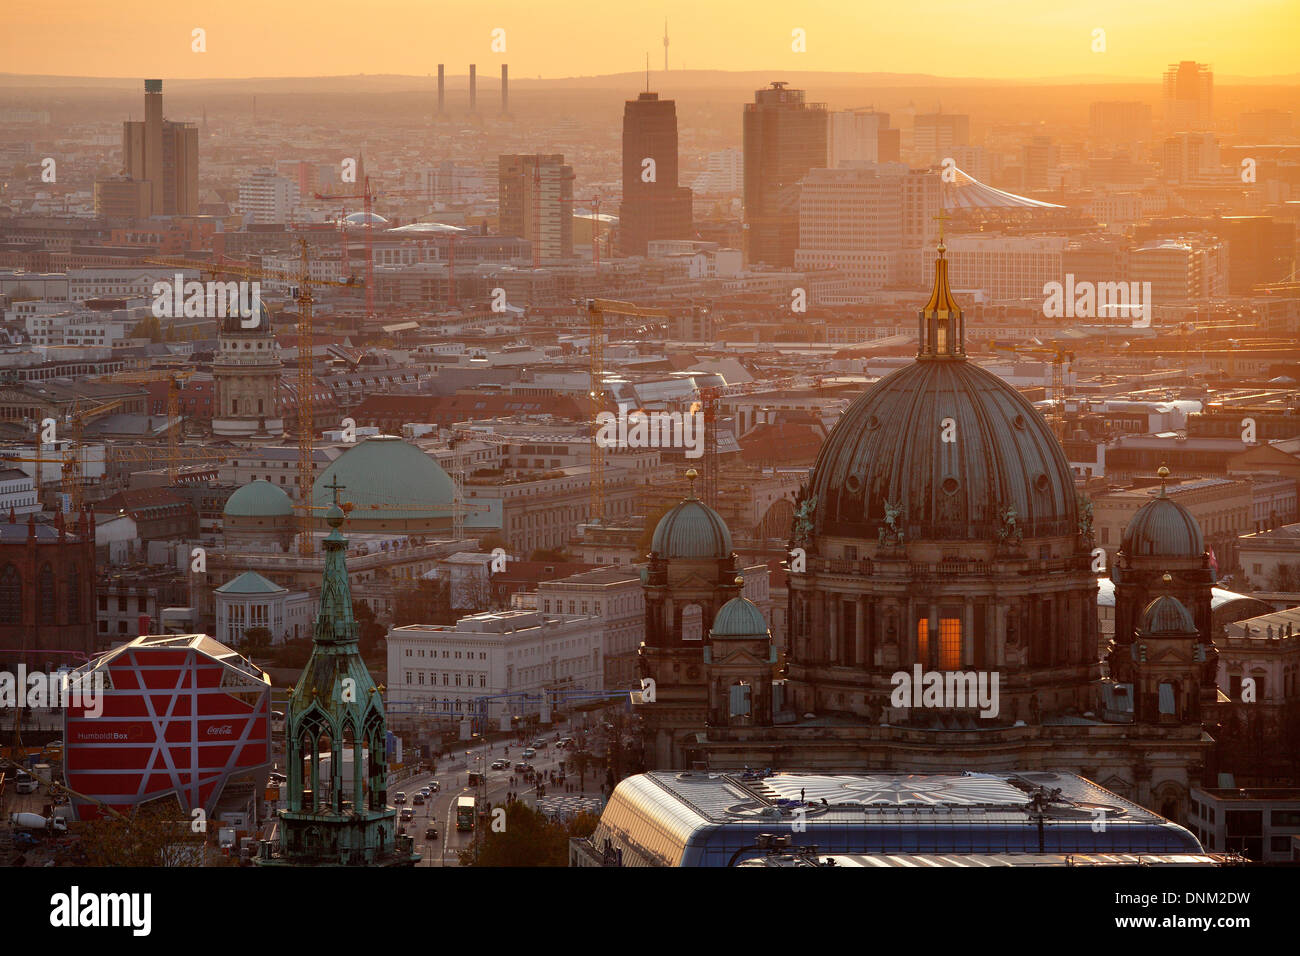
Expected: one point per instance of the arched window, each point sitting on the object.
(74, 595)
(45, 594)
(11, 595)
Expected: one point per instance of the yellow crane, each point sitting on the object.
(1062, 361)
(175, 382)
(597, 309)
(306, 423)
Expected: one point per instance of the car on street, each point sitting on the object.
(500, 764)
(418, 800)
(529, 752)
(399, 798)
(431, 833)
(426, 792)
(539, 744)
(433, 786)
(521, 767)
(407, 815)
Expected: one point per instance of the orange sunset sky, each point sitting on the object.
(954, 38)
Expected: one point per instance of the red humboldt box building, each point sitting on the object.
(183, 717)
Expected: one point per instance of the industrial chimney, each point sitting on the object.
(473, 88)
(442, 91)
(505, 88)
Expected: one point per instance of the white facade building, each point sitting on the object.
(267, 198)
(445, 668)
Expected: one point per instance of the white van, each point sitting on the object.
(24, 782)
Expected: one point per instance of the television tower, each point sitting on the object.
(665, 44)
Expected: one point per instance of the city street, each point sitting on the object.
(453, 776)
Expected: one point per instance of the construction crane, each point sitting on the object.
(306, 421)
(175, 380)
(70, 461)
(1062, 361)
(597, 309)
(368, 205)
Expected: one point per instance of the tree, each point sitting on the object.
(492, 541)
(153, 835)
(256, 641)
(554, 555)
(148, 328)
(371, 631)
(648, 532)
(528, 839)
(427, 601)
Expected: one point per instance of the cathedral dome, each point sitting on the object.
(1167, 615)
(1163, 528)
(888, 447)
(233, 322)
(943, 449)
(259, 499)
(691, 530)
(739, 617)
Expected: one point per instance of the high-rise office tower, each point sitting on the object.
(861, 136)
(933, 134)
(784, 137)
(1189, 96)
(163, 154)
(654, 206)
(535, 202)
(1119, 123)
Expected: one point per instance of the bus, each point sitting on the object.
(465, 807)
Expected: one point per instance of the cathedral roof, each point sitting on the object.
(739, 617)
(948, 448)
(1167, 615)
(388, 479)
(1163, 528)
(691, 530)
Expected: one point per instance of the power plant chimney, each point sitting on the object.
(505, 88)
(442, 91)
(473, 88)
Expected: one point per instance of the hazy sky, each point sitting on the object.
(555, 38)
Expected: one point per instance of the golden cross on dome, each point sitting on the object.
(335, 488)
(941, 219)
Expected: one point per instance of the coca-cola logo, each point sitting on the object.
(221, 730)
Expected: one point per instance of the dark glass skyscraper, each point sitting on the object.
(654, 206)
(784, 138)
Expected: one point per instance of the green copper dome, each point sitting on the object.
(739, 617)
(259, 499)
(387, 479)
(1163, 528)
(692, 530)
(1167, 615)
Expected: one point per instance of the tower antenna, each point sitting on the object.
(647, 71)
(665, 44)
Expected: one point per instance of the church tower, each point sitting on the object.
(739, 660)
(691, 574)
(336, 736)
(1162, 558)
(246, 373)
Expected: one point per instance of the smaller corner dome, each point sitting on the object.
(1163, 528)
(691, 530)
(739, 617)
(259, 499)
(1167, 615)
